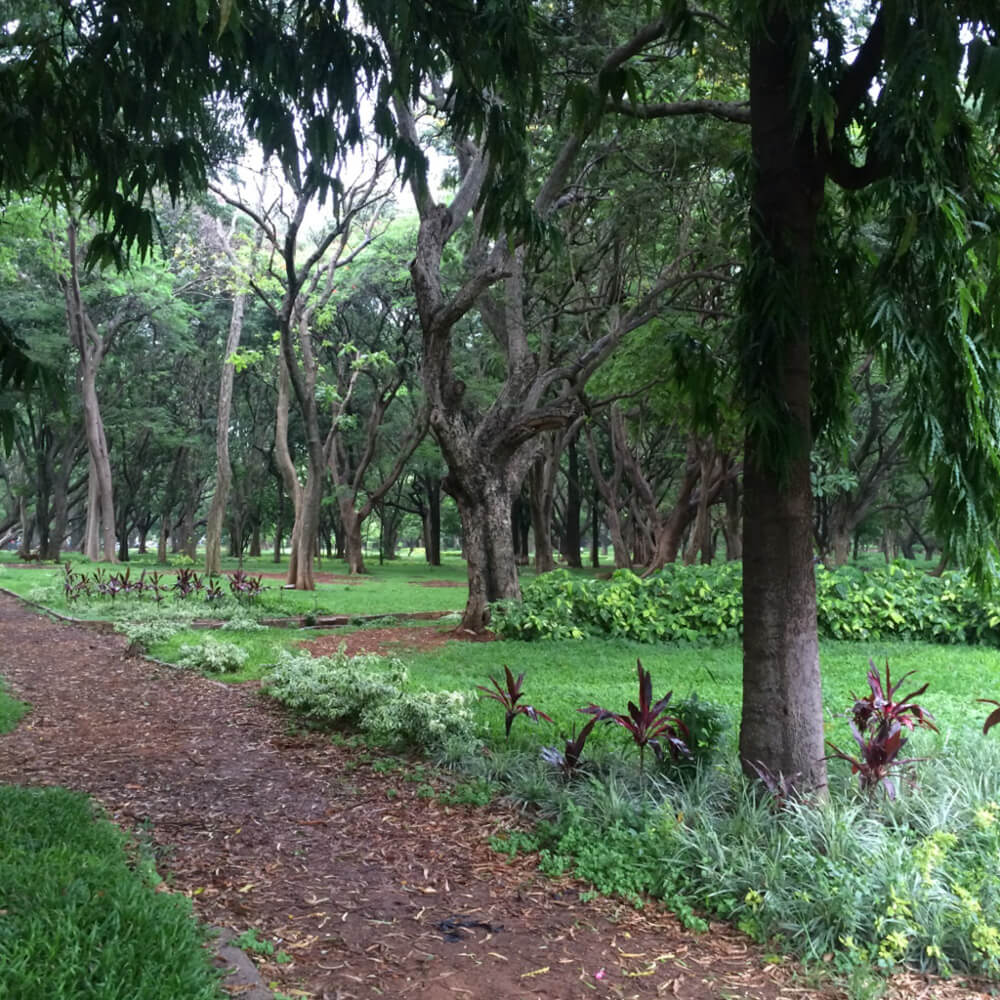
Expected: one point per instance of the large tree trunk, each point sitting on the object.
(432, 520)
(782, 717)
(489, 552)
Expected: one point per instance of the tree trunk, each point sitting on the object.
(299, 559)
(161, 544)
(279, 521)
(353, 547)
(595, 529)
(571, 522)
(782, 717)
(223, 468)
(486, 533)
(92, 531)
(432, 520)
(731, 526)
(542, 481)
(100, 466)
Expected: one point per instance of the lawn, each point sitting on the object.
(80, 914)
(81, 918)
(402, 585)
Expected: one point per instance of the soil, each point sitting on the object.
(370, 889)
(392, 641)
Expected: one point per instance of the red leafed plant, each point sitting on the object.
(877, 723)
(510, 697)
(647, 723)
(994, 717)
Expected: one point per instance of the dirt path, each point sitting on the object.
(359, 880)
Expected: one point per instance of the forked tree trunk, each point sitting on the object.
(353, 544)
(223, 469)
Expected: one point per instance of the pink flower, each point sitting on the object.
(600, 974)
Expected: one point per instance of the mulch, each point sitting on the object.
(369, 888)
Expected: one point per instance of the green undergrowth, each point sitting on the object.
(871, 882)
(393, 587)
(703, 604)
(80, 919)
(11, 710)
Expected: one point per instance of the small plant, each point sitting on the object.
(994, 717)
(781, 787)
(510, 698)
(877, 723)
(243, 586)
(212, 657)
(213, 591)
(187, 583)
(75, 585)
(156, 586)
(568, 760)
(647, 723)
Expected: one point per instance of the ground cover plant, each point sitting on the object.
(81, 918)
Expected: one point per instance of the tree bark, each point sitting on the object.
(572, 541)
(782, 713)
(542, 482)
(223, 469)
(91, 347)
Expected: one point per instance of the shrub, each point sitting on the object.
(212, 657)
(704, 604)
(148, 633)
(335, 689)
(421, 720)
(366, 693)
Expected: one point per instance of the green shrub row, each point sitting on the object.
(705, 604)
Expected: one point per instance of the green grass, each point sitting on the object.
(563, 676)
(11, 710)
(393, 587)
(78, 921)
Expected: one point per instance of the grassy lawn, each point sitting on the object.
(563, 676)
(80, 918)
(403, 585)
(11, 710)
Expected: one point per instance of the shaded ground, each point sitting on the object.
(362, 882)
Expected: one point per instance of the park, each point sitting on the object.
(505, 492)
